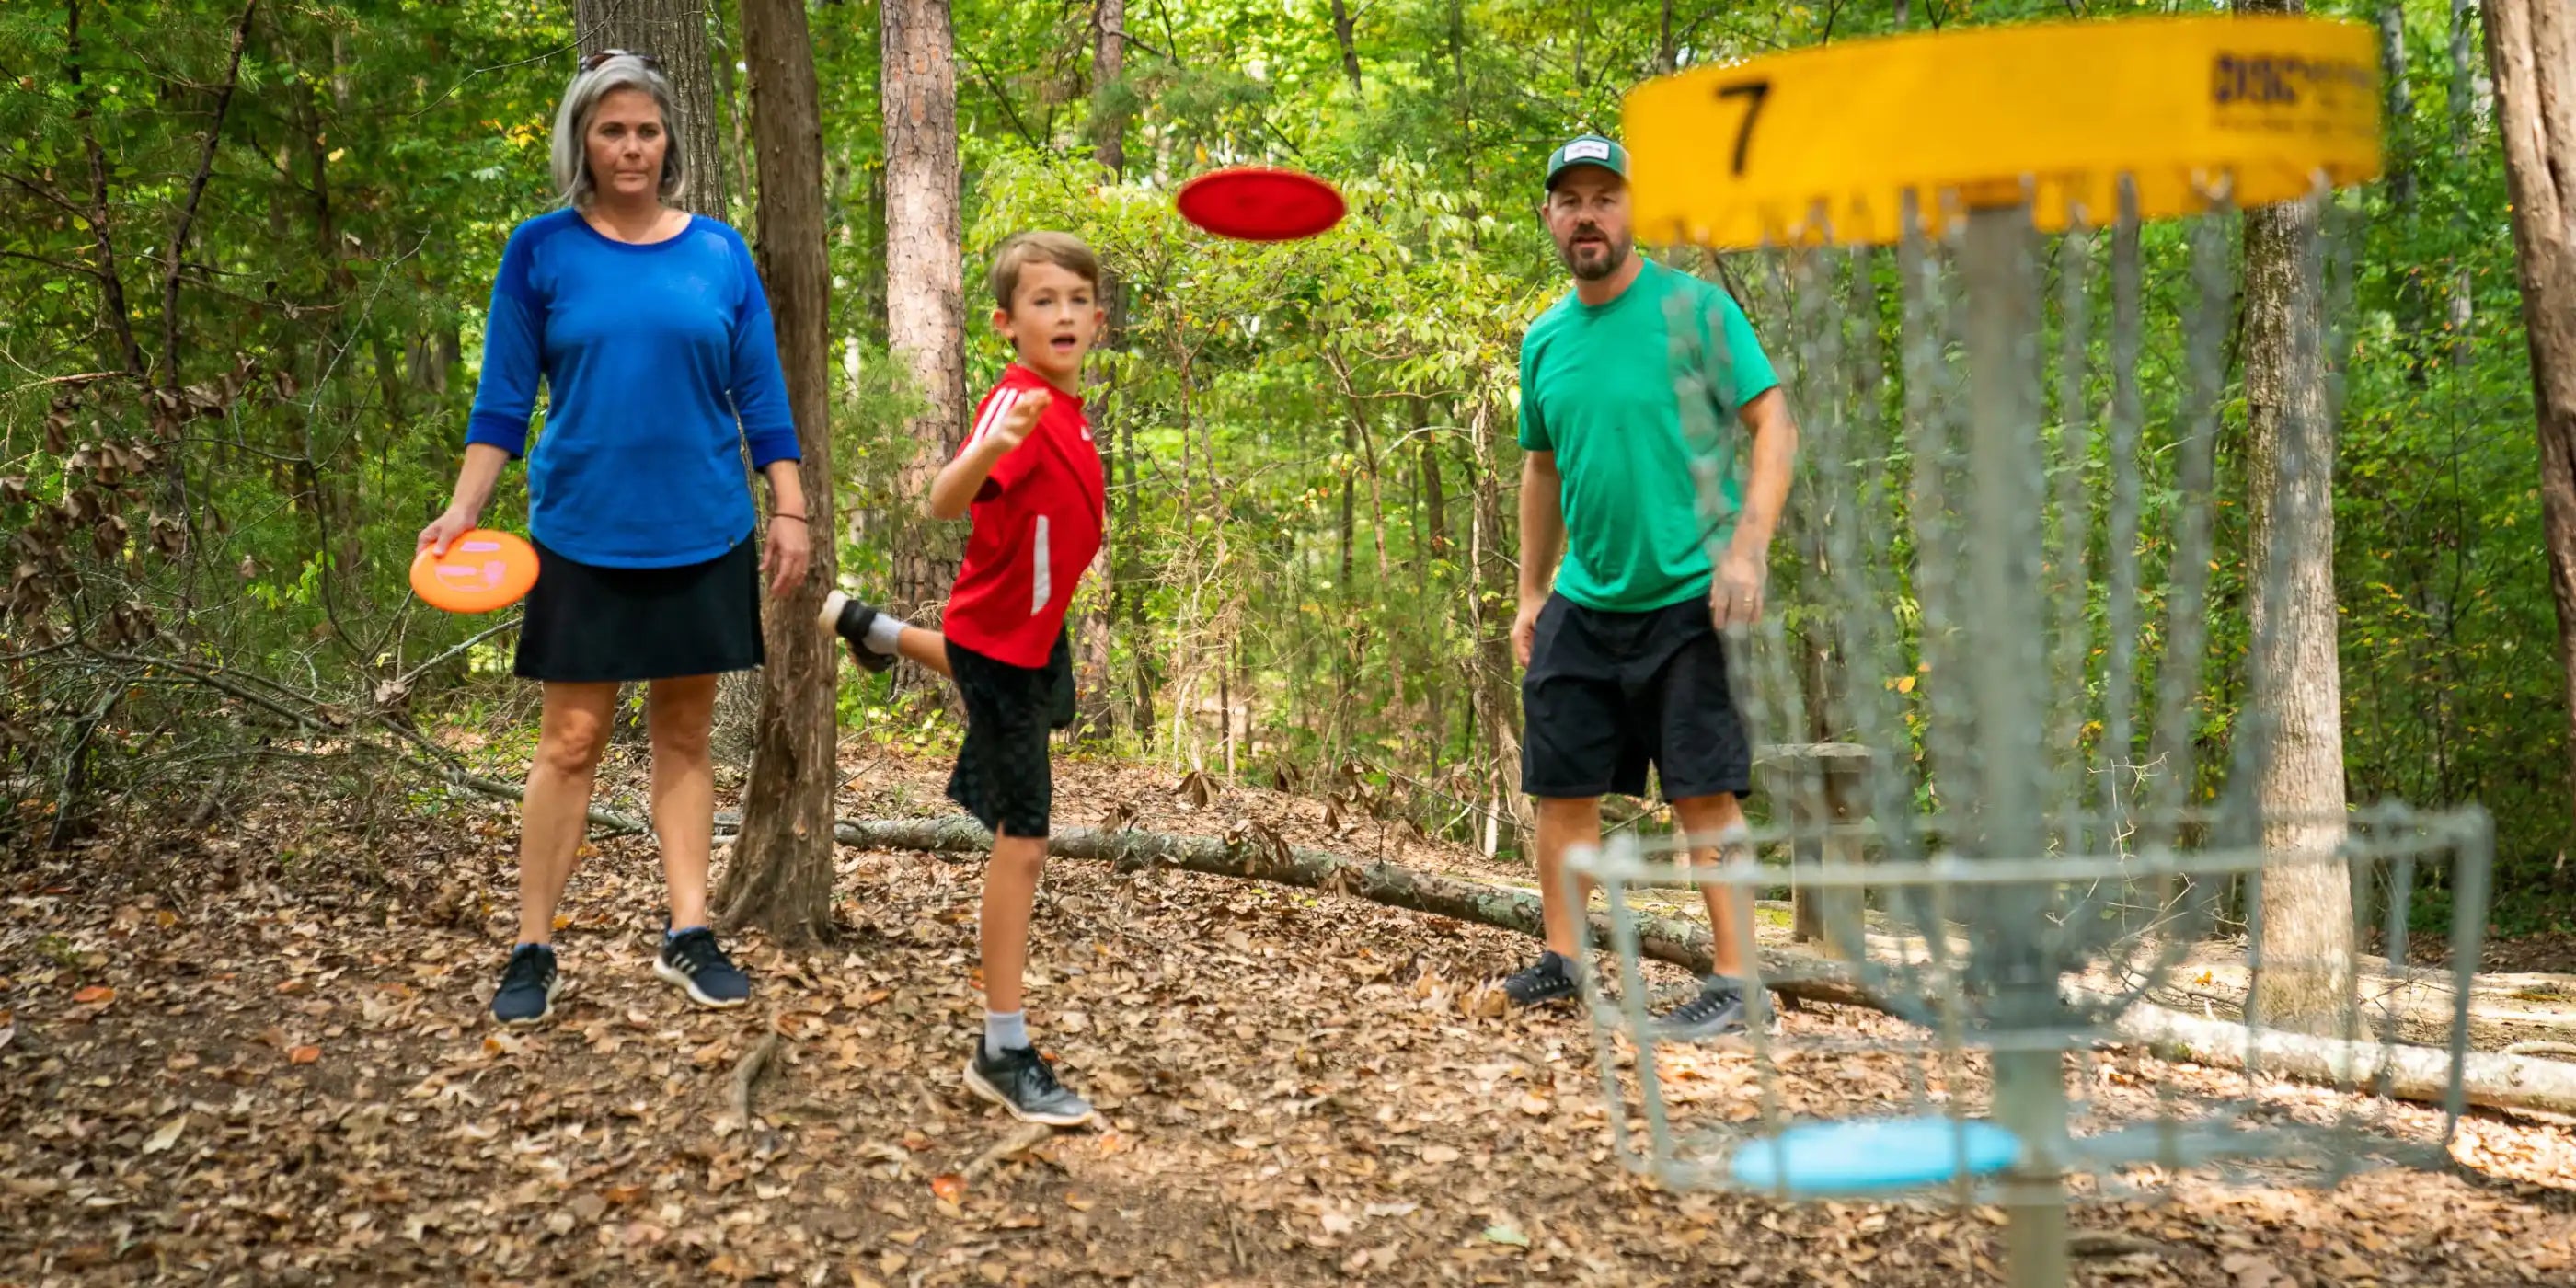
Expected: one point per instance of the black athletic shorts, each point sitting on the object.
(1002, 775)
(1608, 693)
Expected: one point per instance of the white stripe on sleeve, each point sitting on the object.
(994, 411)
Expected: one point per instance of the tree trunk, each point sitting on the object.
(2297, 691)
(781, 875)
(1108, 97)
(2399, 110)
(2468, 110)
(737, 121)
(674, 31)
(925, 301)
(1342, 34)
(2400, 100)
(1435, 500)
(1109, 148)
(2531, 48)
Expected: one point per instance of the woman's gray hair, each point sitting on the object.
(581, 102)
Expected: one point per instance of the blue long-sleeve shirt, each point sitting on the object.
(649, 354)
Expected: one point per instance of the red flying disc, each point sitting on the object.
(481, 571)
(1259, 203)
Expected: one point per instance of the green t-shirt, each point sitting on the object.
(1598, 388)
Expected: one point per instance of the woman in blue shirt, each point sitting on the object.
(651, 332)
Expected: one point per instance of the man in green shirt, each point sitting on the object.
(1624, 667)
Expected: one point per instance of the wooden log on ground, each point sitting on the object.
(2421, 1074)
(2493, 1080)
(1257, 853)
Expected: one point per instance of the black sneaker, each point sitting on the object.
(1023, 1082)
(527, 993)
(849, 619)
(1547, 981)
(692, 960)
(1717, 1012)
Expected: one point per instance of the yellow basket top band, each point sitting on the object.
(1823, 144)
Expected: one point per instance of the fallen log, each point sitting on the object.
(2495, 1080)
(2421, 1074)
(1259, 854)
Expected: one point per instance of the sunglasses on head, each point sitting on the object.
(591, 62)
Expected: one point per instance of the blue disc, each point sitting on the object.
(1872, 1155)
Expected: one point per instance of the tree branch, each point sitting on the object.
(196, 193)
(111, 286)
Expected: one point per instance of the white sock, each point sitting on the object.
(1005, 1032)
(884, 632)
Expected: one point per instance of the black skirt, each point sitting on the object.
(589, 624)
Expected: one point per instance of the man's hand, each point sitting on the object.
(1525, 629)
(1735, 594)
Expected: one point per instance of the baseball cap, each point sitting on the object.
(1587, 149)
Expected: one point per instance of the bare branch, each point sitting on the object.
(197, 193)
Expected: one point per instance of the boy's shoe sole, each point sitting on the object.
(975, 1083)
(673, 973)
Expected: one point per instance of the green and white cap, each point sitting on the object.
(1587, 149)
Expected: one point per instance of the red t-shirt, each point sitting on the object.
(1037, 523)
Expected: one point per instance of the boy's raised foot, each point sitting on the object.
(850, 619)
(1022, 1081)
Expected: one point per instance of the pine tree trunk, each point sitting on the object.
(780, 878)
(674, 32)
(1108, 98)
(1109, 149)
(2531, 49)
(925, 301)
(2296, 708)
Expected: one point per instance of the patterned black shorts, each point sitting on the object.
(1003, 776)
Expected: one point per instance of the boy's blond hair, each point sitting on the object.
(1064, 250)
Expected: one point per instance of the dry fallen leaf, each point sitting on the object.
(949, 1186)
(304, 1055)
(1079, 1203)
(1437, 1155)
(167, 1136)
(94, 994)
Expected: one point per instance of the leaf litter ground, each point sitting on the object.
(260, 1055)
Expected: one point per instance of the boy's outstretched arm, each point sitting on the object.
(954, 490)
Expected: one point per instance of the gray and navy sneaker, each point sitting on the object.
(1023, 1082)
(693, 960)
(1549, 980)
(1718, 1011)
(850, 619)
(527, 993)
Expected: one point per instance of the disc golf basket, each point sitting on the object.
(2042, 849)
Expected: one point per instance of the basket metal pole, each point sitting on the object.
(2001, 557)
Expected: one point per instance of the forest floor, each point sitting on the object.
(259, 1053)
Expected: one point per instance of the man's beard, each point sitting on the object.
(1614, 253)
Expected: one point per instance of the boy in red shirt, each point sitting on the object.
(1030, 477)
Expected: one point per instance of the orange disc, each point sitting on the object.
(481, 571)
